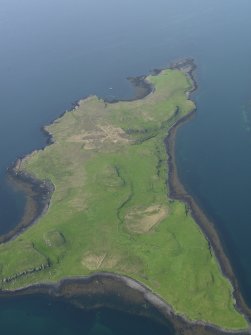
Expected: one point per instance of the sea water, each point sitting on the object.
(52, 53)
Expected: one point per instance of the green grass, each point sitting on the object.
(110, 210)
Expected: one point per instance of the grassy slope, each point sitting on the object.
(111, 212)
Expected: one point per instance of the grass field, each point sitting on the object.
(110, 210)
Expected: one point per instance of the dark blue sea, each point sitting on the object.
(53, 52)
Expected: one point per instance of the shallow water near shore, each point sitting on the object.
(33, 315)
(91, 47)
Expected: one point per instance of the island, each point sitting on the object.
(105, 173)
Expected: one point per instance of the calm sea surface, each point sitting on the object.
(40, 315)
(53, 52)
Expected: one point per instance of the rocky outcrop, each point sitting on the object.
(25, 273)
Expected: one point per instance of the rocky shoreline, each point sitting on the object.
(39, 192)
(178, 192)
(118, 292)
(92, 291)
(38, 196)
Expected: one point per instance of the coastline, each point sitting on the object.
(38, 196)
(40, 192)
(178, 192)
(122, 293)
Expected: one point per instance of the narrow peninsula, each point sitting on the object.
(111, 211)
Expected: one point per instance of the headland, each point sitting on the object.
(113, 211)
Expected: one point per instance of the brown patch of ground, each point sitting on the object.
(141, 221)
(110, 262)
(103, 133)
(93, 261)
